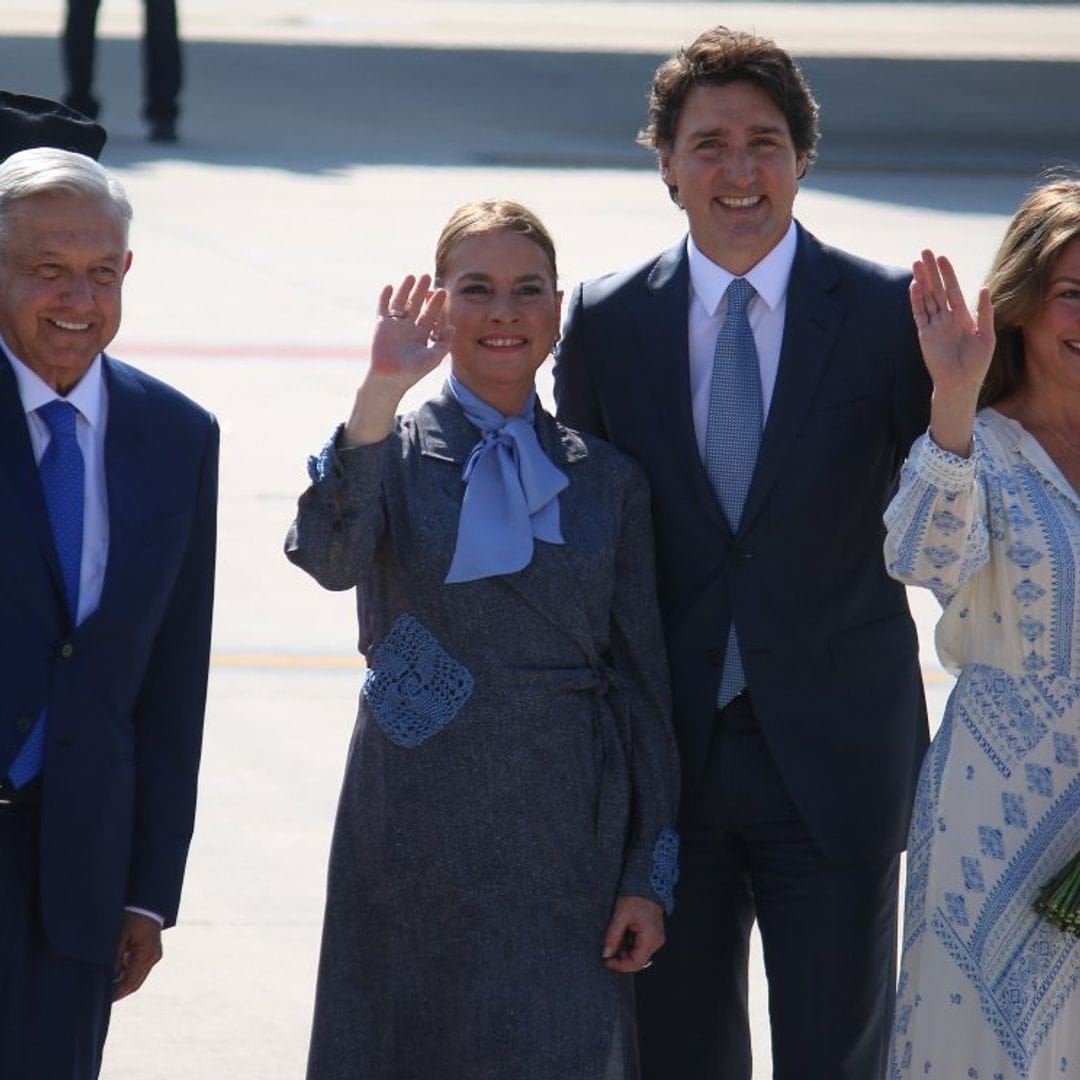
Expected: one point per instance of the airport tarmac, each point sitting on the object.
(323, 145)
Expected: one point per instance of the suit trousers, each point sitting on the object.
(162, 71)
(828, 933)
(54, 1011)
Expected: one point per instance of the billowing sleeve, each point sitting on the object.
(651, 865)
(341, 516)
(937, 523)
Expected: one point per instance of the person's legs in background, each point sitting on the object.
(162, 70)
(77, 50)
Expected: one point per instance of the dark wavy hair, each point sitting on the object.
(720, 56)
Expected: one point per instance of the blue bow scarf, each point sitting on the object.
(511, 492)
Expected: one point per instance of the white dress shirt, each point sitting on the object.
(708, 309)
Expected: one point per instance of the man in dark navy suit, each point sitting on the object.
(797, 693)
(109, 482)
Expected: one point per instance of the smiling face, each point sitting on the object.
(504, 308)
(736, 170)
(1052, 335)
(62, 263)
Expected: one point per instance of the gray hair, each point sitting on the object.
(47, 171)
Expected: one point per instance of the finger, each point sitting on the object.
(399, 301)
(638, 955)
(383, 310)
(132, 976)
(414, 303)
(985, 315)
(433, 305)
(932, 279)
(615, 938)
(134, 966)
(918, 303)
(953, 293)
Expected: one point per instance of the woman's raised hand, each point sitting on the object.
(956, 349)
(410, 339)
(955, 346)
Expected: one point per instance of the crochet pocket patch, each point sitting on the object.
(414, 687)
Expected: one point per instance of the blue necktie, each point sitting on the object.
(62, 478)
(732, 437)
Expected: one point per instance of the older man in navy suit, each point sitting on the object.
(109, 480)
(771, 387)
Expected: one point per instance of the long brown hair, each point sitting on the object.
(1047, 221)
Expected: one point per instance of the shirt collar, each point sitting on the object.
(769, 276)
(87, 395)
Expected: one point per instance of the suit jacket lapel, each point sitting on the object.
(811, 324)
(128, 474)
(30, 554)
(665, 350)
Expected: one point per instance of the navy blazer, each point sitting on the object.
(829, 647)
(126, 689)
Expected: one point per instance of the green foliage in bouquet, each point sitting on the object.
(1059, 899)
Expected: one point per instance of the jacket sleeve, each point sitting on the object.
(168, 715)
(341, 516)
(651, 865)
(575, 395)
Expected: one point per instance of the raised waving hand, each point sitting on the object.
(410, 340)
(956, 347)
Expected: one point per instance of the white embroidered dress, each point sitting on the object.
(988, 990)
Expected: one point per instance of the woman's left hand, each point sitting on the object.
(635, 932)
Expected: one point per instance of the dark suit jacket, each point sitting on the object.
(125, 691)
(829, 647)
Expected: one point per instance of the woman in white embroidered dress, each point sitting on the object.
(988, 517)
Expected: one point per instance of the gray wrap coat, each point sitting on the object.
(512, 771)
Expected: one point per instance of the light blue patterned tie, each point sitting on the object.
(62, 477)
(732, 437)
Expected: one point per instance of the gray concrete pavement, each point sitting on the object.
(324, 145)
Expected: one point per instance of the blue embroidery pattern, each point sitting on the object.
(413, 686)
(665, 871)
(1014, 810)
(1065, 752)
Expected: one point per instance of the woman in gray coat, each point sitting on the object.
(504, 846)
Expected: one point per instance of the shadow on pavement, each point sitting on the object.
(312, 109)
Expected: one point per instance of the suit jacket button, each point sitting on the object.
(67, 651)
(23, 724)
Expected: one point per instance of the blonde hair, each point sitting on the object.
(487, 216)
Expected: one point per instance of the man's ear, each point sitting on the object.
(127, 261)
(663, 159)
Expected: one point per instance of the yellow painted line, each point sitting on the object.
(937, 678)
(284, 660)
